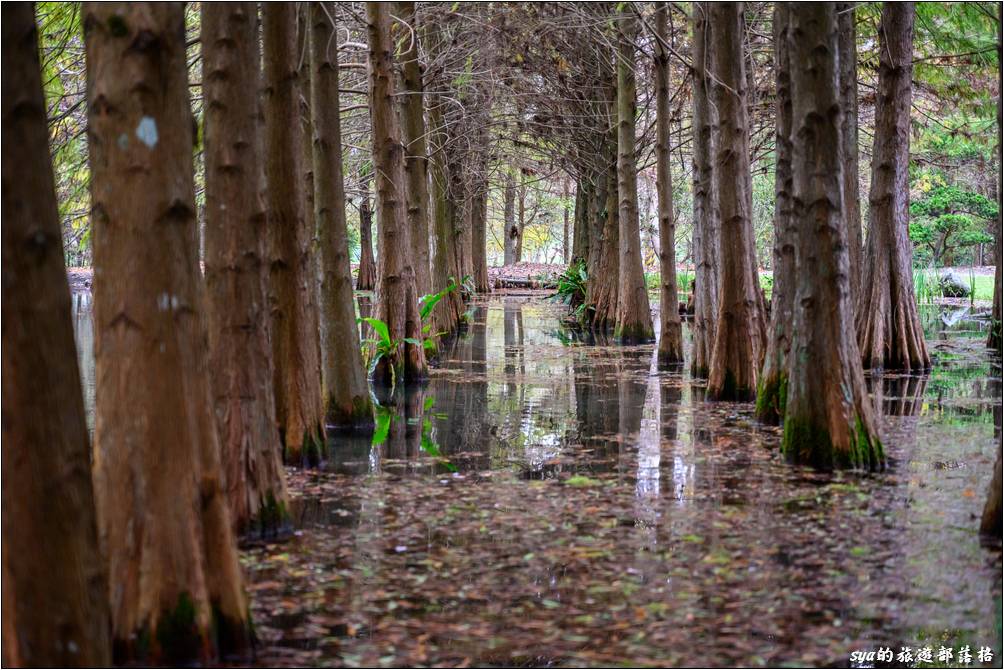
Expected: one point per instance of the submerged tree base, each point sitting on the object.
(311, 450)
(807, 442)
(270, 522)
(355, 419)
(771, 398)
(637, 333)
(179, 639)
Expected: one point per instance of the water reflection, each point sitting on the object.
(688, 525)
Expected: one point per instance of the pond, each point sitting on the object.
(544, 501)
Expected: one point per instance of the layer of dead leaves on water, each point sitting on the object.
(756, 563)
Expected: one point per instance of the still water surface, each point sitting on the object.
(544, 501)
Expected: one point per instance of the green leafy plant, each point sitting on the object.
(376, 348)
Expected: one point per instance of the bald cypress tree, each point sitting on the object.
(176, 587)
(828, 416)
(55, 597)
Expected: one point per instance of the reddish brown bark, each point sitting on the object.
(366, 277)
(239, 353)
(55, 598)
(888, 327)
(670, 328)
(740, 331)
(447, 313)
(706, 224)
(828, 417)
(848, 63)
(295, 340)
(479, 232)
(416, 159)
(347, 402)
(176, 586)
(634, 318)
(397, 300)
(773, 387)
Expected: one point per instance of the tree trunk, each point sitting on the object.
(416, 161)
(773, 387)
(634, 318)
(346, 392)
(366, 277)
(447, 313)
(580, 228)
(299, 408)
(848, 62)
(397, 300)
(888, 327)
(706, 225)
(604, 280)
(740, 333)
(516, 235)
(828, 420)
(512, 231)
(55, 598)
(176, 585)
(239, 355)
(479, 220)
(670, 329)
(565, 249)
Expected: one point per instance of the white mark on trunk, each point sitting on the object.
(146, 131)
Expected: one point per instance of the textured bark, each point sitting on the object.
(397, 300)
(773, 388)
(240, 361)
(634, 318)
(848, 63)
(566, 250)
(828, 418)
(447, 313)
(888, 327)
(55, 598)
(740, 332)
(580, 227)
(346, 392)
(706, 225)
(604, 278)
(366, 277)
(512, 229)
(479, 232)
(297, 383)
(416, 158)
(176, 586)
(670, 329)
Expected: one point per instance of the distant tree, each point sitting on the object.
(772, 391)
(670, 330)
(175, 580)
(55, 591)
(740, 331)
(947, 219)
(414, 137)
(848, 64)
(888, 327)
(366, 277)
(706, 223)
(634, 319)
